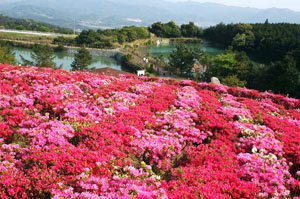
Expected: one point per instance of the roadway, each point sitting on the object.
(33, 32)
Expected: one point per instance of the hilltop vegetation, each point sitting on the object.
(27, 24)
(172, 30)
(107, 38)
(267, 41)
(80, 135)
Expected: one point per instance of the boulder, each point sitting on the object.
(215, 80)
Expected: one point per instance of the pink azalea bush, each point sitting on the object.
(81, 135)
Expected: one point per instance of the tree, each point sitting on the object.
(142, 32)
(20, 27)
(296, 54)
(42, 56)
(172, 30)
(234, 66)
(129, 33)
(60, 48)
(224, 65)
(283, 77)
(44, 29)
(244, 40)
(190, 30)
(182, 59)
(169, 30)
(233, 81)
(87, 37)
(6, 56)
(245, 68)
(158, 29)
(82, 60)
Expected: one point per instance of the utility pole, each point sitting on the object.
(74, 30)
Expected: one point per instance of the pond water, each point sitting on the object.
(166, 49)
(66, 59)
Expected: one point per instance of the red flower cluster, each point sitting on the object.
(80, 135)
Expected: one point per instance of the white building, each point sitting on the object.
(141, 73)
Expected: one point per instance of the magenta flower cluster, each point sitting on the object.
(81, 135)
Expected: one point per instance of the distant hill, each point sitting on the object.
(116, 13)
(28, 24)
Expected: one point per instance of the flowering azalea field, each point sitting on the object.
(80, 135)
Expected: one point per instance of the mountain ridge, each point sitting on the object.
(115, 13)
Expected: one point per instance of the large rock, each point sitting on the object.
(215, 80)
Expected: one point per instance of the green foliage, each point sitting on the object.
(44, 29)
(26, 24)
(104, 43)
(268, 42)
(67, 32)
(125, 61)
(158, 29)
(224, 65)
(182, 59)
(107, 38)
(20, 27)
(121, 38)
(245, 68)
(151, 69)
(167, 30)
(63, 40)
(191, 30)
(60, 48)
(128, 63)
(171, 30)
(42, 56)
(133, 33)
(283, 77)
(6, 56)
(233, 81)
(277, 43)
(82, 60)
(234, 69)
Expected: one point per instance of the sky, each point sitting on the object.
(290, 4)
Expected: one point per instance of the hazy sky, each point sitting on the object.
(291, 4)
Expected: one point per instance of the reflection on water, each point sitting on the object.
(66, 59)
(166, 49)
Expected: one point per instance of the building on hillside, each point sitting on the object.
(109, 72)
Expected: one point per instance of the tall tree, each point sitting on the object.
(169, 30)
(283, 77)
(6, 56)
(182, 59)
(172, 29)
(158, 29)
(42, 56)
(224, 65)
(190, 30)
(82, 60)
